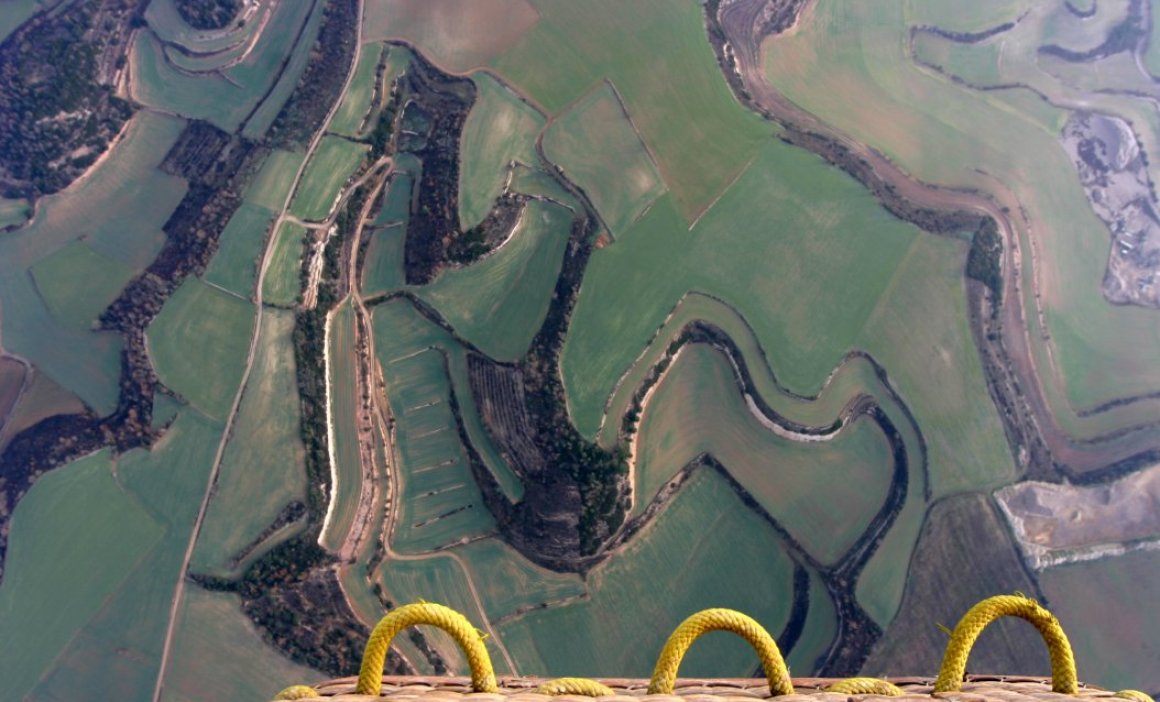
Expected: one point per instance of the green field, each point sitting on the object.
(80, 515)
(78, 283)
(440, 502)
(823, 493)
(14, 213)
(344, 409)
(84, 362)
(700, 135)
(629, 602)
(263, 467)
(498, 303)
(198, 345)
(905, 112)
(599, 149)
(499, 129)
(235, 265)
(282, 284)
(15, 13)
(1112, 651)
(802, 257)
(356, 104)
(219, 655)
(331, 166)
(383, 261)
(273, 182)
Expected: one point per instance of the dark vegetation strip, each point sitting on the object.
(1125, 36)
(1081, 13)
(207, 14)
(965, 37)
(58, 110)
(321, 83)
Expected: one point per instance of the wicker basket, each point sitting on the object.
(482, 686)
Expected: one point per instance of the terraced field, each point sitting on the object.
(283, 282)
(77, 283)
(234, 267)
(329, 169)
(343, 402)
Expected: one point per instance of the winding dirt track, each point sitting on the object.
(744, 39)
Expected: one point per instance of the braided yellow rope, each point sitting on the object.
(665, 674)
(297, 692)
(1135, 695)
(1063, 677)
(575, 686)
(370, 676)
(865, 686)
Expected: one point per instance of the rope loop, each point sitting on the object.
(1135, 695)
(954, 665)
(297, 692)
(370, 676)
(865, 686)
(664, 676)
(575, 686)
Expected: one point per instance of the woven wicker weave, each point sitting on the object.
(664, 686)
(978, 688)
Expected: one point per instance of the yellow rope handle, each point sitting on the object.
(664, 676)
(297, 692)
(865, 686)
(1135, 695)
(370, 675)
(575, 686)
(954, 665)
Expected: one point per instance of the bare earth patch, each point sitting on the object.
(1055, 524)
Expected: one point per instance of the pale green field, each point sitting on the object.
(498, 303)
(263, 467)
(198, 344)
(799, 249)
(823, 493)
(440, 501)
(271, 185)
(78, 283)
(499, 129)
(356, 104)
(700, 135)
(715, 569)
(235, 265)
(84, 362)
(79, 515)
(919, 332)
(344, 411)
(282, 284)
(598, 147)
(332, 164)
(904, 112)
(42, 398)
(534, 181)
(219, 655)
(400, 331)
(1152, 55)
(14, 213)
